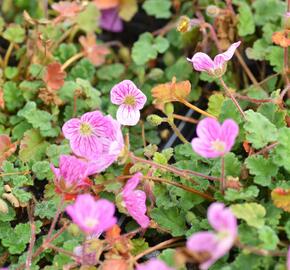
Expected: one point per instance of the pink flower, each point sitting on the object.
(93, 217)
(135, 201)
(95, 137)
(131, 101)
(153, 264)
(66, 10)
(214, 140)
(71, 175)
(202, 62)
(110, 20)
(218, 243)
(96, 53)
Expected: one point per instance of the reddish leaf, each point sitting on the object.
(281, 198)
(6, 148)
(54, 76)
(113, 234)
(66, 10)
(281, 38)
(96, 53)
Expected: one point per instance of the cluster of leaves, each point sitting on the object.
(32, 115)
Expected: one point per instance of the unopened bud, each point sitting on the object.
(73, 229)
(12, 199)
(154, 119)
(3, 207)
(124, 54)
(183, 24)
(168, 108)
(212, 11)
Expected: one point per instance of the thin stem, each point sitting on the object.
(64, 251)
(184, 118)
(189, 189)
(262, 252)
(228, 92)
(213, 35)
(32, 239)
(253, 100)
(267, 148)
(7, 55)
(177, 131)
(223, 180)
(247, 70)
(14, 173)
(161, 245)
(143, 134)
(189, 105)
(286, 66)
(71, 60)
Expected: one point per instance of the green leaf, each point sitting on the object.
(260, 131)
(170, 219)
(139, 245)
(65, 51)
(245, 194)
(159, 158)
(229, 110)
(53, 151)
(84, 69)
(252, 213)
(109, 72)
(281, 153)
(32, 146)
(215, 102)
(11, 72)
(263, 169)
(246, 23)
(42, 170)
(157, 8)
(39, 119)
(22, 195)
(258, 51)
(181, 69)
(232, 166)
(268, 11)
(269, 238)
(14, 33)
(274, 55)
(273, 113)
(147, 48)
(46, 209)
(88, 19)
(12, 96)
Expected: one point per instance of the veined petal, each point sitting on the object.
(229, 132)
(208, 129)
(201, 62)
(221, 58)
(204, 148)
(71, 128)
(128, 115)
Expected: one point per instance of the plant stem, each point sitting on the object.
(176, 131)
(228, 92)
(189, 189)
(253, 100)
(64, 251)
(14, 173)
(71, 60)
(32, 239)
(189, 105)
(161, 245)
(223, 180)
(184, 118)
(286, 66)
(267, 148)
(7, 55)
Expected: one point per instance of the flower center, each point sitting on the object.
(85, 129)
(130, 100)
(91, 223)
(218, 146)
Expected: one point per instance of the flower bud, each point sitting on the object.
(3, 207)
(124, 54)
(168, 108)
(154, 119)
(73, 229)
(212, 11)
(183, 24)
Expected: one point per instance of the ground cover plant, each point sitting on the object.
(144, 134)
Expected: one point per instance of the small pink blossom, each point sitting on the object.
(93, 217)
(135, 201)
(95, 137)
(153, 264)
(71, 175)
(213, 139)
(96, 53)
(217, 243)
(131, 101)
(66, 10)
(202, 62)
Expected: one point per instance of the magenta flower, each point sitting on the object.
(71, 175)
(131, 101)
(153, 264)
(110, 20)
(95, 137)
(93, 217)
(214, 140)
(66, 10)
(135, 201)
(202, 62)
(217, 243)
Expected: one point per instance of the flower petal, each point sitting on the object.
(132, 183)
(201, 62)
(110, 20)
(71, 128)
(221, 58)
(127, 115)
(229, 132)
(208, 129)
(204, 148)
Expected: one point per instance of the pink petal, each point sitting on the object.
(229, 132)
(71, 128)
(208, 129)
(153, 264)
(220, 59)
(110, 20)
(222, 219)
(127, 115)
(132, 183)
(201, 62)
(204, 148)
